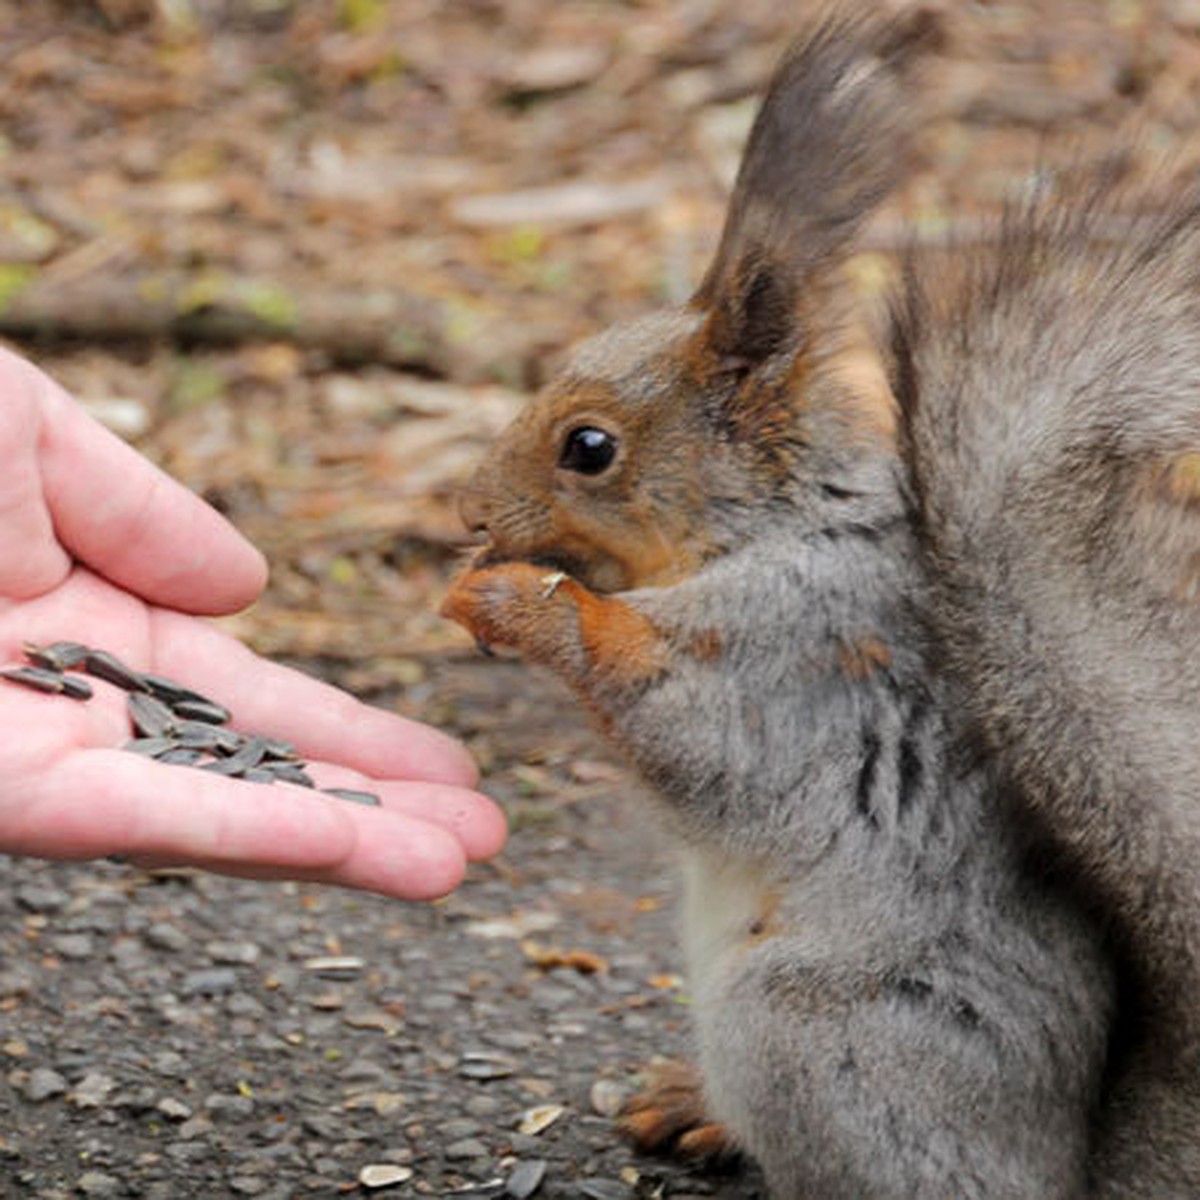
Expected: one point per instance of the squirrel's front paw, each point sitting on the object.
(497, 605)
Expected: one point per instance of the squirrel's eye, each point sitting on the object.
(588, 450)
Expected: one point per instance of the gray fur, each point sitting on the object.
(894, 995)
(932, 1022)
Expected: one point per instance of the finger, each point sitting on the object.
(394, 855)
(322, 721)
(101, 802)
(31, 559)
(473, 819)
(130, 522)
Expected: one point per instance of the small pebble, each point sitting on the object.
(93, 1090)
(608, 1097)
(458, 1128)
(209, 982)
(163, 936)
(73, 945)
(525, 1179)
(99, 1183)
(234, 953)
(229, 1107)
(43, 1084)
(466, 1148)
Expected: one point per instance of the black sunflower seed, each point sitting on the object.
(106, 666)
(201, 710)
(354, 795)
(40, 679)
(151, 718)
(58, 656)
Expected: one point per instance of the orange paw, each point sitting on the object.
(669, 1115)
(495, 604)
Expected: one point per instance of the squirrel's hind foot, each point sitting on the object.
(669, 1116)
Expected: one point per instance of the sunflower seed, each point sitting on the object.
(151, 747)
(290, 772)
(201, 710)
(38, 678)
(170, 692)
(196, 735)
(105, 666)
(278, 750)
(224, 766)
(151, 718)
(58, 656)
(354, 795)
(257, 775)
(248, 755)
(76, 687)
(180, 756)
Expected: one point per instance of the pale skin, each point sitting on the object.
(99, 546)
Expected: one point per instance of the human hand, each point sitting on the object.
(98, 546)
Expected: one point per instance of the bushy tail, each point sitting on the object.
(1050, 397)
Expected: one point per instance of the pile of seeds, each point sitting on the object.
(172, 723)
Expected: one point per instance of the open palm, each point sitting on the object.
(98, 546)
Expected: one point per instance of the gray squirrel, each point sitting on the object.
(906, 656)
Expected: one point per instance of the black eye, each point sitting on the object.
(588, 450)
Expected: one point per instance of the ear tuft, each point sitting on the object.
(829, 143)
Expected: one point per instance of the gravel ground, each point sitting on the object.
(182, 1035)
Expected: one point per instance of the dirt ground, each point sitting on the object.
(310, 257)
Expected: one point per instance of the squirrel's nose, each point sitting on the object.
(474, 510)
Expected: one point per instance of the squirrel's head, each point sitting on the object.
(670, 439)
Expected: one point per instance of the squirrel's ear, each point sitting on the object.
(754, 314)
(829, 143)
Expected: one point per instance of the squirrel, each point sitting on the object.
(905, 648)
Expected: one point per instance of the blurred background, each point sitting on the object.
(310, 257)
(306, 255)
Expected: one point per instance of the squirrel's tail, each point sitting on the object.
(1050, 398)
